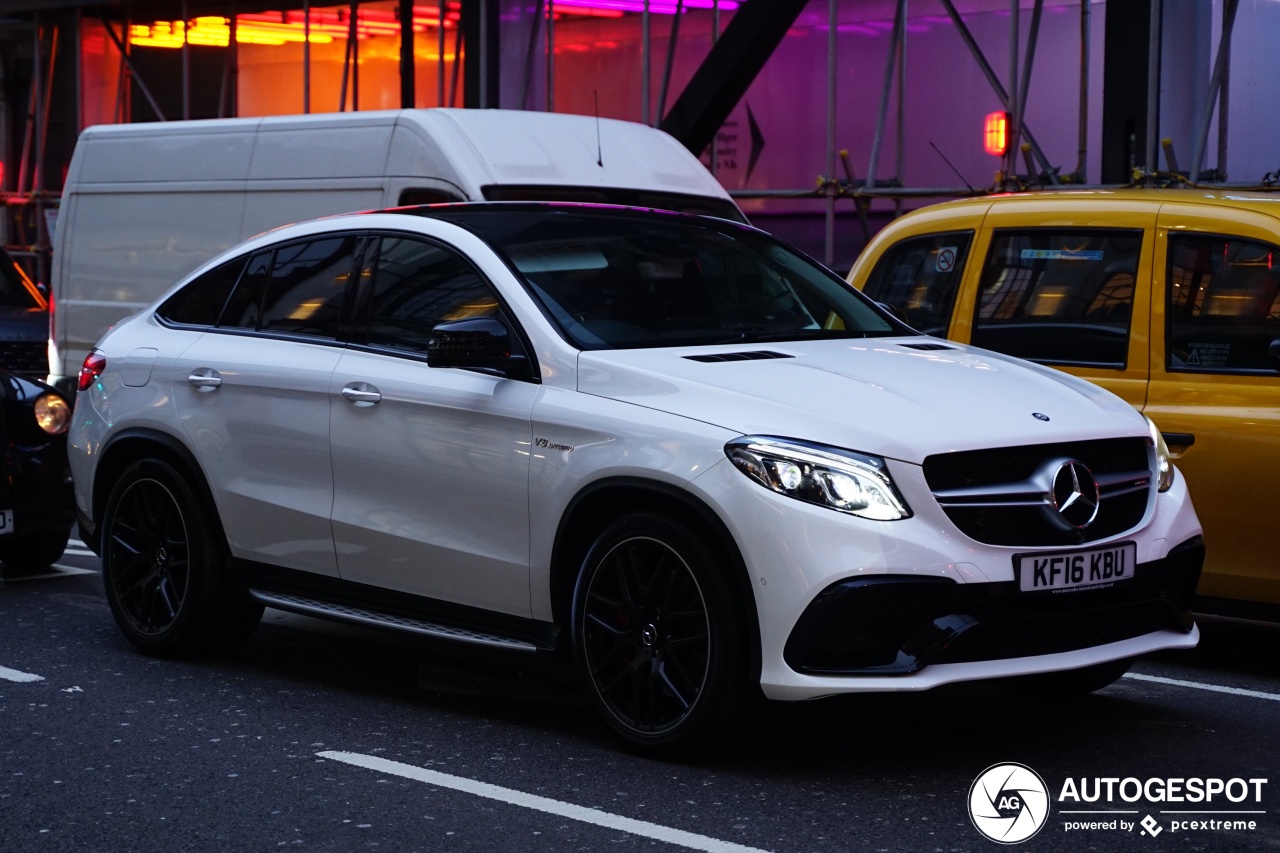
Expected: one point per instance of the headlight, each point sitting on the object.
(52, 414)
(1164, 464)
(827, 476)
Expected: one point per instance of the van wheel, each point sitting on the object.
(659, 638)
(34, 552)
(1073, 682)
(163, 567)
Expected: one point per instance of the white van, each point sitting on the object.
(144, 204)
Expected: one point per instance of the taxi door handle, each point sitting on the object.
(361, 394)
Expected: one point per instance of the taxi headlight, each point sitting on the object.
(1164, 463)
(52, 414)
(843, 480)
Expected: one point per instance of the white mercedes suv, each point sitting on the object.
(667, 445)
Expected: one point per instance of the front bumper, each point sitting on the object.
(894, 625)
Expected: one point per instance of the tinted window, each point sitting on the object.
(308, 284)
(1059, 296)
(417, 284)
(200, 302)
(920, 276)
(1222, 309)
(245, 305)
(616, 279)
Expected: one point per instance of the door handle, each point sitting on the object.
(205, 379)
(361, 394)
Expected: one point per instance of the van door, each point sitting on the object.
(1068, 289)
(1215, 385)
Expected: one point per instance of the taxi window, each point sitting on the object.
(1059, 296)
(1223, 310)
(920, 276)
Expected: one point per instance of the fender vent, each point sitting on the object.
(753, 355)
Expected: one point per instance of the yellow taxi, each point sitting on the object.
(1167, 297)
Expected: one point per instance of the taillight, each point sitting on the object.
(94, 364)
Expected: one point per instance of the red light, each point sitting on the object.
(995, 133)
(94, 364)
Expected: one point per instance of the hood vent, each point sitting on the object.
(927, 346)
(751, 355)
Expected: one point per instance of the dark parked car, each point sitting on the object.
(24, 322)
(37, 505)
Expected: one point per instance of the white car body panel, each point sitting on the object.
(454, 485)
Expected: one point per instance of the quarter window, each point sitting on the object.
(1223, 310)
(1063, 297)
(920, 276)
(417, 284)
(200, 302)
(308, 284)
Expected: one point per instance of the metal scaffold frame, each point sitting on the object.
(734, 57)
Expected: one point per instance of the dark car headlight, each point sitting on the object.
(53, 415)
(843, 480)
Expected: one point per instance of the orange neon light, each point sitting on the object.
(995, 133)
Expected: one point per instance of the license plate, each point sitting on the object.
(6, 521)
(1062, 570)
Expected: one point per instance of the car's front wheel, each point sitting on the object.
(660, 638)
(163, 566)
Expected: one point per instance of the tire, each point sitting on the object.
(163, 567)
(660, 639)
(1073, 682)
(34, 552)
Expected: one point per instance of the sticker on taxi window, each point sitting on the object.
(1208, 355)
(946, 260)
(1061, 255)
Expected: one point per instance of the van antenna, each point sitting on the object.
(599, 149)
(953, 168)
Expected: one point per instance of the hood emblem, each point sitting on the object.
(1040, 416)
(1075, 495)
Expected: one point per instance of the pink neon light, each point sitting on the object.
(657, 7)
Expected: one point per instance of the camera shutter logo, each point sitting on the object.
(1009, 803)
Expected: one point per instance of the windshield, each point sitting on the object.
(16, 290)
(624, 279)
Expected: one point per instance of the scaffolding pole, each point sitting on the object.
(1215, 89)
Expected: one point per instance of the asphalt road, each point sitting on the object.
(319, 736)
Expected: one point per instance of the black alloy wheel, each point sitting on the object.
(163, 567)
(659, 636)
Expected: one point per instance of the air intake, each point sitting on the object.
(752, 355)
(927, 347)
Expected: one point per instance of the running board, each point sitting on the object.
(344, 613)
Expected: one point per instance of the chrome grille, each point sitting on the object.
(1001, 496)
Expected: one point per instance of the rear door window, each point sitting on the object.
(1059, 296)
(1223, 304)
(920, 276)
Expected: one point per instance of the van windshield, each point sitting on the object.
(619, 279)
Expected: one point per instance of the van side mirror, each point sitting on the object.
(477, 342)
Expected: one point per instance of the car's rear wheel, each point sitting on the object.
(163, 566)
(660, 638)
(1074, 682)
(34, 552)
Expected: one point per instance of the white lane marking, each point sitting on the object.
(1196, 685)
(543, 804)
(79, 552)
(20, 677)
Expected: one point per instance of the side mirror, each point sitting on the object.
(478, 342)
(1273, 354)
